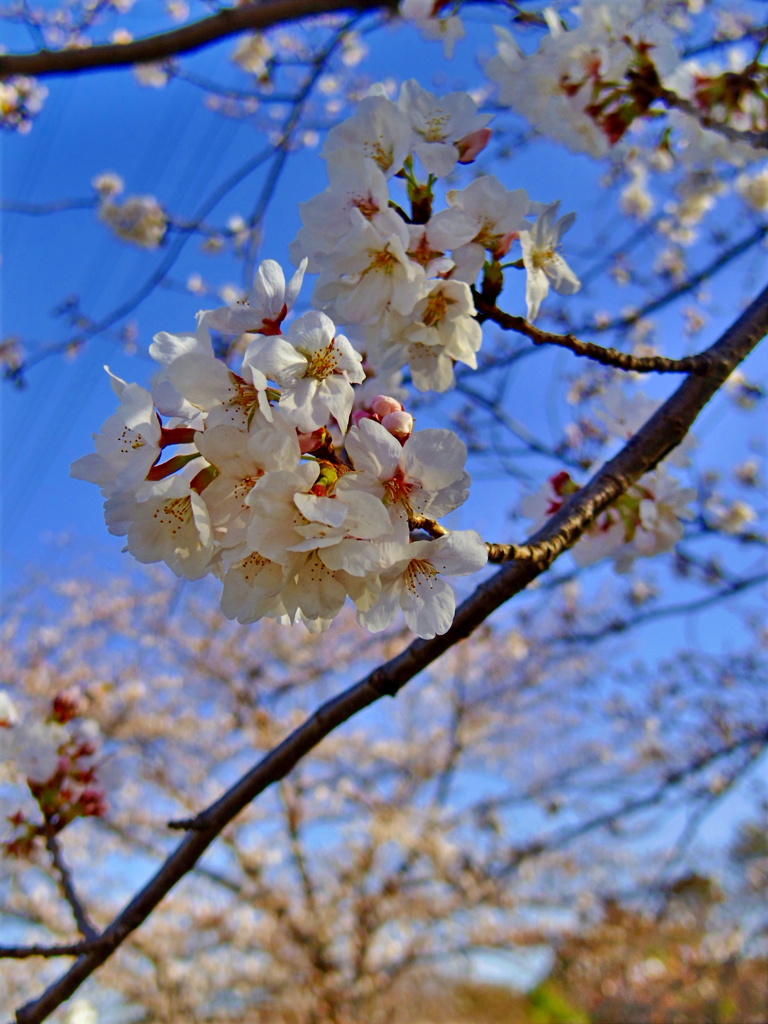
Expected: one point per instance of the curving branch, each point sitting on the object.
(252, 16)
(67, 885)
(658, 436)
(607, 356)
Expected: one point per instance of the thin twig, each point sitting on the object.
(48, 952)
(589, 350)
(87, 930)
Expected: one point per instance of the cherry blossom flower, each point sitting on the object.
(267, 305)
(543, 263)
(356, 182)
(425, 476)
(377, 130)
(440, 123)
(137, 219)
(194, 381)
(314, 366)
(484, 216)
(128, 445)
(423, 14)
(253, 53)
(414, 583)
(166, 521)
(241, 458)
(370, 270)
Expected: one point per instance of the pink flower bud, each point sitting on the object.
(66, 705)
(383, 404)
(503, 244)
(473, 144)
(361, 414)
(311, 442)
(399, 424)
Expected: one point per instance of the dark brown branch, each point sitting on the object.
(48, 952)
(87, 930)
(662, 432)
(228, 22)
(607, 356)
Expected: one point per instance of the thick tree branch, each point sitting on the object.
(252, 17)
(662, 432)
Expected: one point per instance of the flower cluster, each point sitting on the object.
(584, 87)
(587, 85)
(137, 219)
(56, 756)
(21, 100)
(295, 474)
(646, 520)
(404, 281)
(273, 486)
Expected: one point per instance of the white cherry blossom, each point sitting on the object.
(266, 306)
(377, 130)
(423, 14)
(439, 123)
(370, 270)
(193, 379)
(425, 476)
(356, 182)
(314, 366)
(414, 583)
(543, 263)
(484, 216)
(128, 445)
(167, 521)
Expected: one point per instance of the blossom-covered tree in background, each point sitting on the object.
(277, 446)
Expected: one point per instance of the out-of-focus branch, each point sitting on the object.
(755, 740)
(683, 288)
(655, 439)
(253, 17)
(47, 952)
(616, 626)
(758, 140)
(69, 892)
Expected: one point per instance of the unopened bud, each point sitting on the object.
(312, 441)
(66, 705)
(473, 144)
(382, 405)
(399, 424)
(326, 481)
(361, 414)
(503, 244)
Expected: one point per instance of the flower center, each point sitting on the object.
(418, 570)
(323, 363)
(437, 307)
(174, 513)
